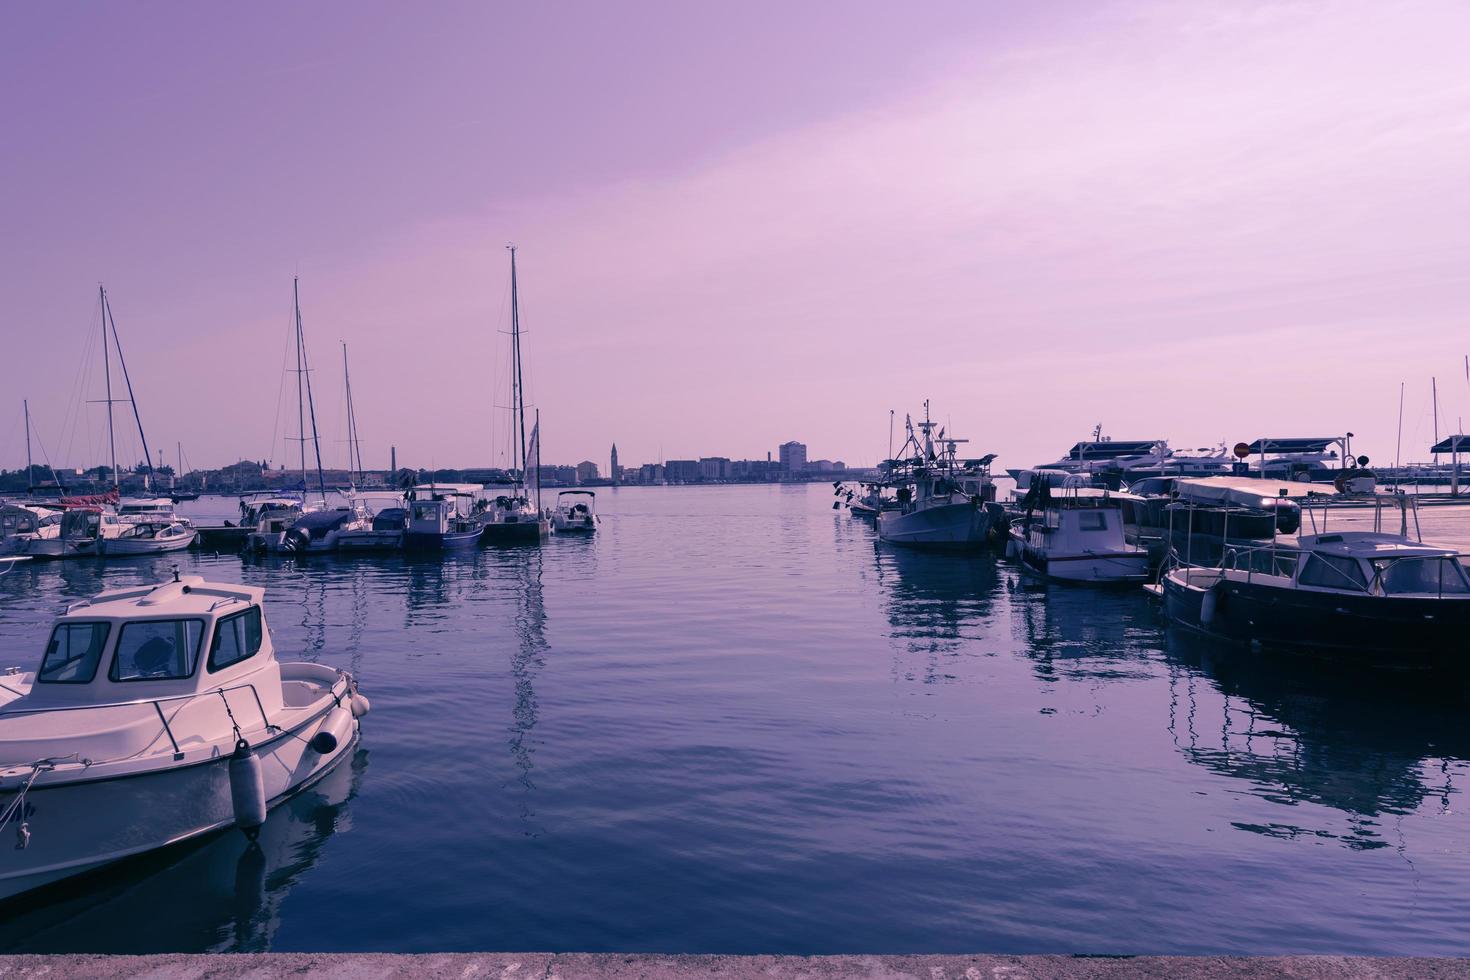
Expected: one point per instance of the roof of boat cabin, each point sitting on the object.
(1452, 444)
(1249, 489)
(590, 493)
(1112, 448)
(1370, 545)
(189, 595)
(1295, 444)
(460, 489)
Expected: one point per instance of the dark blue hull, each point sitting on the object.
(450, 541)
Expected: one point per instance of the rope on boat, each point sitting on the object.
(17, 805)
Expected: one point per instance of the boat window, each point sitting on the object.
(157, 650)
(425, 511)
(1420, 576)
(1330, 572)
(73, 653)
(1092, 520)
(236, 638)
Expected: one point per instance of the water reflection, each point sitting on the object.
(526, 661)
(937, 605)
(1302, 735)
(1080, 632)
(221, 894)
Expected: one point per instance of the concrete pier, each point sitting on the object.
(619, 966)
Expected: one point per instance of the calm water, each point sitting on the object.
(734, 722)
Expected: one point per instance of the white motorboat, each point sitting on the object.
(21, 523)
(155, 715)
(149, 538)
(82, 533)
(375, 528)
(941, 498)
(1075, 532)
(268, 519)
(575, 513)
(149, 510)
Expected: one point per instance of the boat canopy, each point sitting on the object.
(1452, 444)
(1370, 545)
(1247, 491)
(449, 489)
(1316, 444)
(589, 493)
(1113, 449)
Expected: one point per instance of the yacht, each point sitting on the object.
(575, 513)
(156, 714)
(21, 523)
(1372, 596)
(1075, 532)
(516, 517)
(81, 534)
(941, 498)
(443, 517)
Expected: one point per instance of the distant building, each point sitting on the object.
(586, 471)
(825, 466)
(793, 456)
(613, 470)
(681, 470)
(714, 468)
(651, 473)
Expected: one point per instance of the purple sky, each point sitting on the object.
(739, 223)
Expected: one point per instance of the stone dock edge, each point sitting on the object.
(622, 966)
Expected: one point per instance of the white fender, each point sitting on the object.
(335, 730)
(360, 705)
(247, 788)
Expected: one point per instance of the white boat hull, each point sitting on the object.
(946, 526)
(80, 826)
(1105, 568)
(124, 547)
(370, 541)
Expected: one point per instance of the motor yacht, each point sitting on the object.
(141, 537)
(81, 534)
(156, 714)
(268, 518)
(21, 523)
(379, 529)
(575, 512)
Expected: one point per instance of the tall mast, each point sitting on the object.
(538, 462)
(30, 483)
(518, 389)
(354, 446)
(107, 372)
(179, 473)
(138, 419)
(1434, 389)
(316, 442)
(300, 373)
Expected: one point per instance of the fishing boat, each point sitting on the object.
(157, 714)
(1073, 531)
(144, 537)
(575, 512)
(941, 498)
(516, 517)
(443, 517)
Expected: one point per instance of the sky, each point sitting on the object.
(737, 224)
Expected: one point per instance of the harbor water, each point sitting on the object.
(735, 722)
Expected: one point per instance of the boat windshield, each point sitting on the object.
(157, 650)
(73, 653)
(1422, 576)
(1333, 572)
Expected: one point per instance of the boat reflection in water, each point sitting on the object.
(936, 604)
(222, 894)
(1328, 745)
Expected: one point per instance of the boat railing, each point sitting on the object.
(157, 704)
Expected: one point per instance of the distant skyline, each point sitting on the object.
(737, 225)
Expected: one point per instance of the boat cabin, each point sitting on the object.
(175, 653)
(24, 519)
(146, 508)
(270, 515)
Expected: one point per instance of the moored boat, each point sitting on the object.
(575, 512)
(442, 517)
(158, 714)
(148, 538)
(941, 498)
(1075, 532)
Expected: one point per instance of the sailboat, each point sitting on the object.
(271, 519)
(514, 518)
(378, 520)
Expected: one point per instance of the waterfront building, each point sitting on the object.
(586, 471)
(682, 470)
(793, 456)
(714, 468)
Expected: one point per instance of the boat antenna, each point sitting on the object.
(890, 434)
(1400, 445)
(138, 419)
(304, 371)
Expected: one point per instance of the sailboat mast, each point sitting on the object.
(137, 419)
(316, 443)
(300, 373)
(518, 380)
(354, 447)
(179, 473)
(30, 483)
(107, 372)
